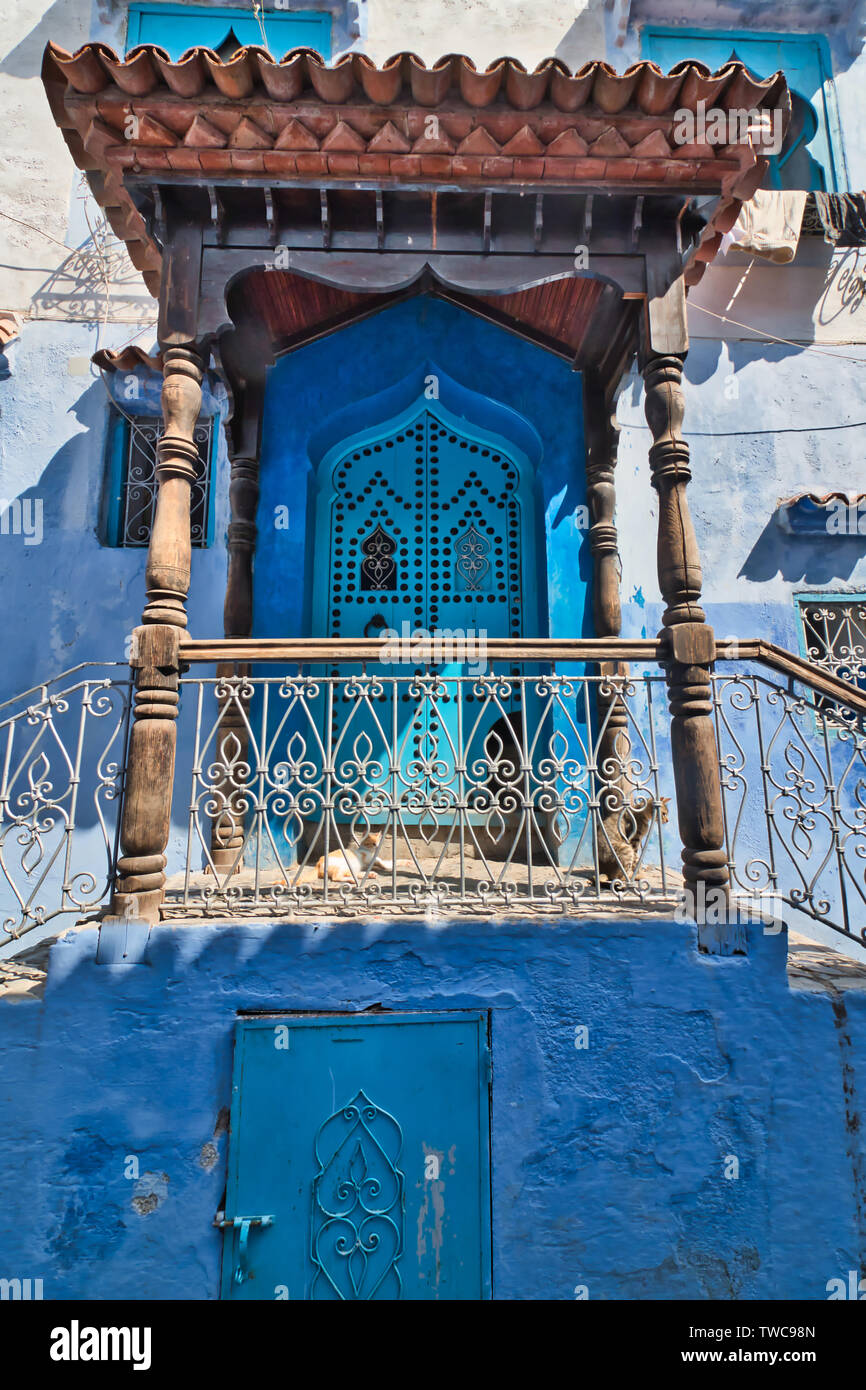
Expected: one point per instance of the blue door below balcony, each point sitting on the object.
(359, 1159)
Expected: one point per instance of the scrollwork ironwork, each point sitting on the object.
(357, 1226)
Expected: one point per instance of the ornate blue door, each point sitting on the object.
(359, 1159)
(423, 524)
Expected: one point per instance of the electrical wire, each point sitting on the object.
(30, 227)
(765, 334)
(257, 11)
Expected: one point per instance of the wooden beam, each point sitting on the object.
(306, 650)
(180, 288)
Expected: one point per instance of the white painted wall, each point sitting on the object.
(486, 29)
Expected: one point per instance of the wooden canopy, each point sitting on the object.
(143, 124)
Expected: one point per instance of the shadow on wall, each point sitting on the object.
(802, 559)
(73, 597)
(64, 22)
(584, 40)
(838, 302)
(96, 272)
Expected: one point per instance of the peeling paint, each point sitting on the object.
(208, 1156)
(434, 1194)
(151, 1191)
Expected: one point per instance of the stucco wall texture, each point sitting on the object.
(609, 1161)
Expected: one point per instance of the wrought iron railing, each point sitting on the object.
(430, 792)
(792, 762)
(312, 779)
(63, 751)
(563, 810)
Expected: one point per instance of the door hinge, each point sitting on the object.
(486, 1066)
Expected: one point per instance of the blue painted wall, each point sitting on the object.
(608, 1162)
(71, 598)
(763, 421)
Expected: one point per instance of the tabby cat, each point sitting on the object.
(622, 835)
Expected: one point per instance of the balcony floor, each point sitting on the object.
(431, 885)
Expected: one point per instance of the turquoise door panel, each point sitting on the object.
(423, 524)
(359, 1159)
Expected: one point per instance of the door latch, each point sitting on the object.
(242, 1224)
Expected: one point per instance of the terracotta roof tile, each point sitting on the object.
(654, 146)
(203, 133)
(480, 88)
(389, 138)
(610, 144)
(296, 136)
(249, 136)
(524, 142)
(479, 141)
(436, 140)
(567, 145)
(405, 76)
(300, 116)
(126, 359)
(344, 140)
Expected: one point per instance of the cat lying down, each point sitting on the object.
(348, 865)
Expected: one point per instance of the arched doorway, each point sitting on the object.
(426, 525)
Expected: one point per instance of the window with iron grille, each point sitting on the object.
(132, 481)
(833, 634)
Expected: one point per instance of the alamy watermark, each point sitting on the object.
(417, 646)
(77, 1343)
(735, 127)
(23, 1290)
(846, 518)
(22, 516)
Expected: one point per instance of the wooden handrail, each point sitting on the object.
(327, 650)
(795, 667)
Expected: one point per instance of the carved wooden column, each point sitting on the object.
(691, 644)
(155, 657)
(170, 553)
(227, 829)
(146, 815)
(602, 441)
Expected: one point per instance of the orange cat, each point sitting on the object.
(350, 865)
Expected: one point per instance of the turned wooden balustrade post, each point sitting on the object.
(602, 441)
(691, 644)
(227, 828)
(155, 656)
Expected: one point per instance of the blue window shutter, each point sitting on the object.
(177, 28)
(805, 60)
(118, 435)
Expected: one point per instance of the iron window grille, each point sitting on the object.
(833, 636)
(133, 482)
